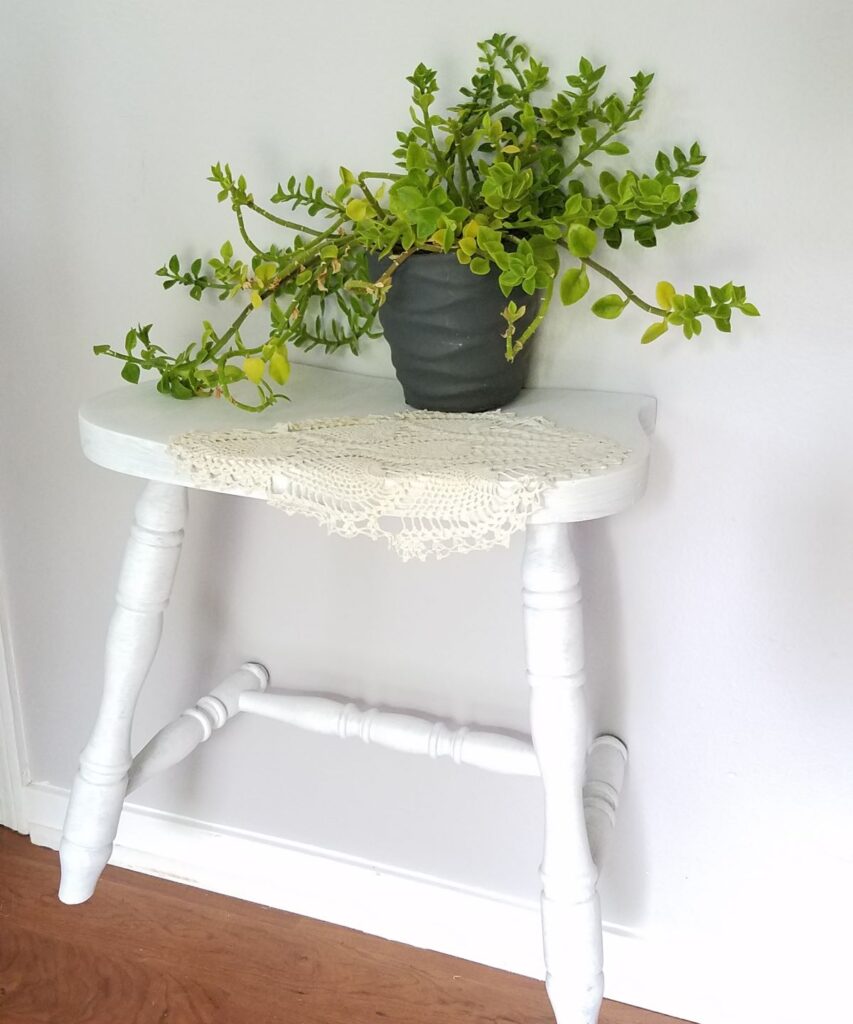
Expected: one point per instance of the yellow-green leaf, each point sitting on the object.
(253, 368)
(574, 285)
(608, 307)
(665, 293)
(357, 209)
(280, 366)
(581, 241)
(655, 330)
(255, 298)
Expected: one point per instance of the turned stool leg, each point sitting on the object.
(571, 920)
(145, 583)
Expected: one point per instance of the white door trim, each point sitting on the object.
(14, 769)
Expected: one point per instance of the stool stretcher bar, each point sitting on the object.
(397, 730)
(180, 737)
(246, 690)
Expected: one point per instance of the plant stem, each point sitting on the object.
(396, 262)
(380, 174)
(463, 177)
(279, 220)
(533, 326)
(311, 250)
(626, 291)
(443, 166)
(244, 233)
(306, 254)
(371, 198)
(232, 330)
(584, 152)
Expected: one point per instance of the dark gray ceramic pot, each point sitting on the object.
(444, 326)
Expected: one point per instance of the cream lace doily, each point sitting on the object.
(430, 483)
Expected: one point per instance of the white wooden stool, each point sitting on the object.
(128, 431)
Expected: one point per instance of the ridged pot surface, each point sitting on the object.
(444, 326)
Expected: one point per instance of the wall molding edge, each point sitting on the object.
(13, 759)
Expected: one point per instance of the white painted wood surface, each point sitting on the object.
(14, 772)
(397, 730)
(605, 773)
(571, 919)
(180, 737)
(129, 431)
(145, 583)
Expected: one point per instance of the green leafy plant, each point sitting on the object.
(503, 179)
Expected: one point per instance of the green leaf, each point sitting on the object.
(416, 156)
(609, 185)
(645, 235)
(700, 293)
(665, 293)
(130, 372)
(174, 264)
(480, 266)
(573, 205)
(357, 209)
(507, 282)
(616, 149)
(749, 309)
(607, 216)
(654, 331)
(574, 285)
(608, 307)
(613, 237)
(253, 368)
(99, 350)
(280, 366)
(581, 241)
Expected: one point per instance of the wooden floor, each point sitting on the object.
(146, 951)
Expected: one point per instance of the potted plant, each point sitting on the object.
(455, 252)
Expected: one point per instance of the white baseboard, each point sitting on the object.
(418, 910)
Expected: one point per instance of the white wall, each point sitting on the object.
(719, 609)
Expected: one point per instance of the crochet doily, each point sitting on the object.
(430, 483)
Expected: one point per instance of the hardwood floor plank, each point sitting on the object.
(51, 980)
(143, 946)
